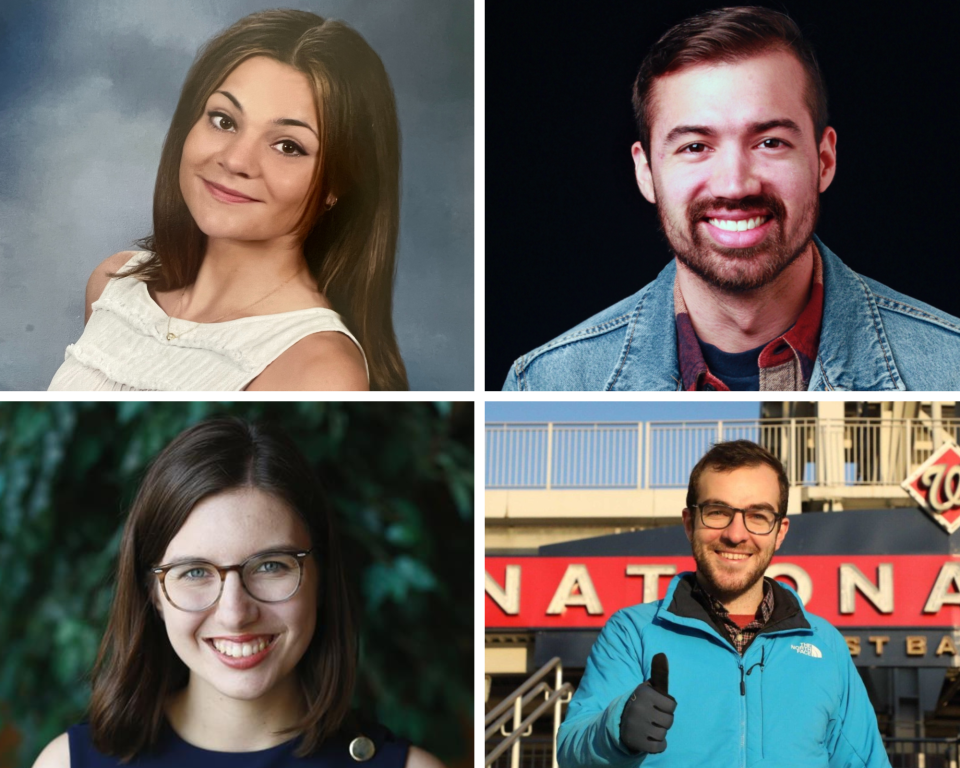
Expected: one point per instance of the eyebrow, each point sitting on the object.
(278, 121)
(755, 128)
(269, 551)
(752, 507)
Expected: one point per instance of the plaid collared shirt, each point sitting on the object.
(741, 637)
(786, 363)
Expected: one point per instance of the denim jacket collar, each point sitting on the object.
(854, 353)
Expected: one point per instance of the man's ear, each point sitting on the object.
(688, 521)
(643, 173)
(782, 532)
(828, 158)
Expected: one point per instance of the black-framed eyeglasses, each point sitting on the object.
(718, 516)
(196, 585)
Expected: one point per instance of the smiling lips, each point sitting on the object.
(734, 557)
(242, 652)
(738, 229)
(225, 194)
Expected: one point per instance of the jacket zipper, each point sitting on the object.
(763, 656)
(743, 715)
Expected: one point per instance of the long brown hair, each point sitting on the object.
(136, 668)
(350, 248)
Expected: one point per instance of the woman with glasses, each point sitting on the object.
(231, 639)
(275, 219)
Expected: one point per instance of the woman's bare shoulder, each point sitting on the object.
(420, 758)
(326, 362)
(56, 754)
(101, 276)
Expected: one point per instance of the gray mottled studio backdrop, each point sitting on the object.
(87, 91)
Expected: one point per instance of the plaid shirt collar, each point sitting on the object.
(786, 362)
(741, 637)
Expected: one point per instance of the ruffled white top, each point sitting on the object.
(124, 345)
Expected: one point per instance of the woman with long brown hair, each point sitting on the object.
(231, 639)
(276, 211)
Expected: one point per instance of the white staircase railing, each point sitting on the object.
(516, 703)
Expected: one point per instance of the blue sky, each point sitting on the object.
(618, 411)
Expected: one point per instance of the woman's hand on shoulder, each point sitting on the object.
(101, 276)
(327, 361)
(420, 758)
(56, 754)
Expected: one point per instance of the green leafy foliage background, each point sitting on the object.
(400, 477)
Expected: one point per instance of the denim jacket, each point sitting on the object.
(872, 338)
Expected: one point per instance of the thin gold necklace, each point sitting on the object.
(172, 336)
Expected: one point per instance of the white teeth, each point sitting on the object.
(239, 650)
(738, 226)
(731, 556)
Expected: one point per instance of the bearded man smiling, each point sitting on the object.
(729, 668)
(734, 150)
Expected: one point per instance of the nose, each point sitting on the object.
(239, 157)
(734, 174)
(736, 532)
(236, 608)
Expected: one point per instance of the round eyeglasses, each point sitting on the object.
(196, 585)
(759, 521)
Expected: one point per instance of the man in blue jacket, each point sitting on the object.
(735, 151)
(728, 669)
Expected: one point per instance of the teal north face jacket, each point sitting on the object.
(794, 699)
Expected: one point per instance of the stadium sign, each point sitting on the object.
(878, 590)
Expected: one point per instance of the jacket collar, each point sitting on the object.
(648, 360)
(854, 353)
(679, 606)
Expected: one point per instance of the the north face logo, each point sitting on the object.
(808, 649)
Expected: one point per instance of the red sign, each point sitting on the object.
(935, 485)
(853, 591)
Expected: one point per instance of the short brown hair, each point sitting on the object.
(137, 669)
(350, 248)
(734, 454)
(726, 35)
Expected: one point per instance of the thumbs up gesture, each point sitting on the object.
(648, 714)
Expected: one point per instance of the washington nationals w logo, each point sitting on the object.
(935, 484)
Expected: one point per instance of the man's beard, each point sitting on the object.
(722, 584)
(739, 270)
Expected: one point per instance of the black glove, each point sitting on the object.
(649, 713)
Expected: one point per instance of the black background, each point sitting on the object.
(568, 232)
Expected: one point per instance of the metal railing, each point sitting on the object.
(538, 752)
(516, 703)
(923, 753)
(660, 454)
(535, 752)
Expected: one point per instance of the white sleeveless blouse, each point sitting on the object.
(124, 345)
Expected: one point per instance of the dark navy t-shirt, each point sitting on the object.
(738, 370)
(391, 752)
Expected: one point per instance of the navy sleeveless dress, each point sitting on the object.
(391, 752)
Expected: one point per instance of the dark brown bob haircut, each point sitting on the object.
(350, 249)
(726, 457)
(726, 35)
(136, 668)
